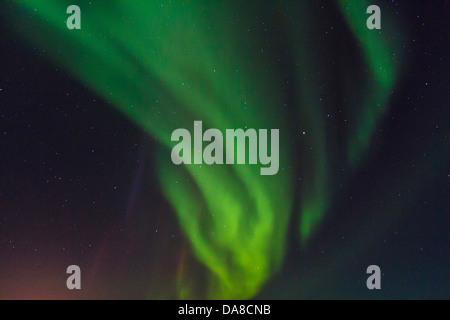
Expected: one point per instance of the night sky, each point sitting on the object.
(86, 175)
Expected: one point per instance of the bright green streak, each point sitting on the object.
(165, 64)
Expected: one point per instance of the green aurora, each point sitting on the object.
(164, 64)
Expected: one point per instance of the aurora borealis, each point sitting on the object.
(309, 68)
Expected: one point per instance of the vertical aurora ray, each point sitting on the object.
(382, 57)
(165, 64)
(315, 76)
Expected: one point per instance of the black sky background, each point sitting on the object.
(72, 168)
